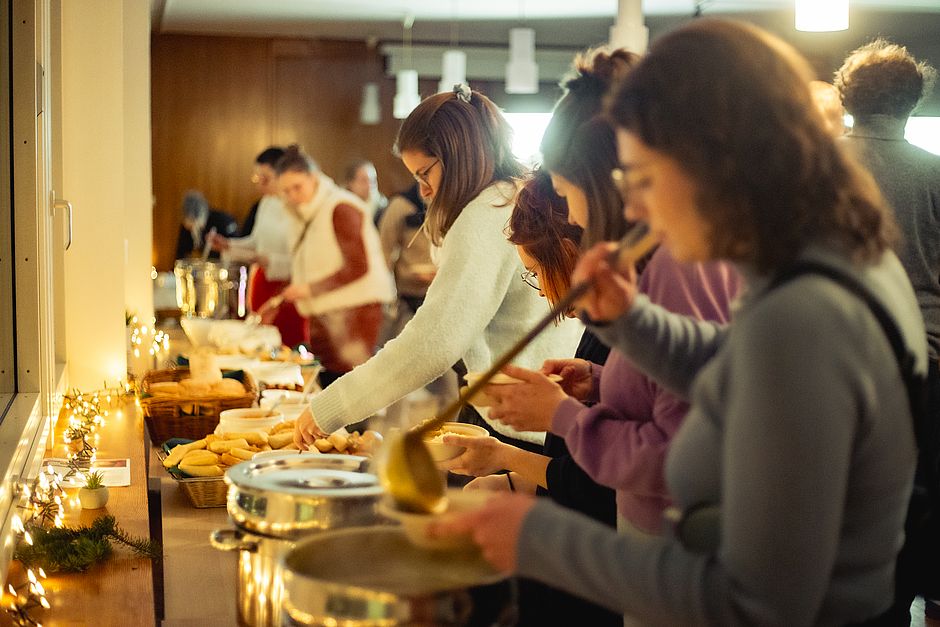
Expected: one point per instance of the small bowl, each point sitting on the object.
(481, 398)
(415, 525)
(441, 452)
(245, 420)
(285, 396)
(290, 410)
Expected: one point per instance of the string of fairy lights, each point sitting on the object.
(43, 499)
(159, 340)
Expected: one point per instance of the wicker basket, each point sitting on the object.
(201, 491)
(190, 417)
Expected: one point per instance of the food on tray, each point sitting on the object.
(202, 471)
(212, 455)
(165, 388)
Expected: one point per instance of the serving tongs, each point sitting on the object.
(254, 318)
(409, 473)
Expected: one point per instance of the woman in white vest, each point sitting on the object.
(339, 279)
(457, 146)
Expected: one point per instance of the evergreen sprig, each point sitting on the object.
(79, 548)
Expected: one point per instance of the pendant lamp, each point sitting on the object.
(522, 73)
(453, 69)
(406, 93)
(817, 16)
(628, 30)
(369, 111)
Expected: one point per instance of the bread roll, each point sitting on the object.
(224, 446)
(339, 441)
(164, 388)
(177, 452)
(230, 460)
(323, 445)
(192, 387)
(256, 438)
(199, 458)
(280, 440)
(241, 454)
(228, 387)
(202, 471)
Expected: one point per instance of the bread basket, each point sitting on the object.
(201, 491)
(189, 416)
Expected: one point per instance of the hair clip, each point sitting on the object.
(462, 91)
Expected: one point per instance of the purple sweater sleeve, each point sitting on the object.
(621, 442)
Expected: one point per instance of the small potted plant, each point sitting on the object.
(95, 494)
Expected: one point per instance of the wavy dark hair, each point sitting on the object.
(539, 225)
(883, 78)
(579, 145)
(473, 142)
(731, 104)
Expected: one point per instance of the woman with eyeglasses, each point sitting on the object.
(798, 454)
(621, 440)
(457, 146)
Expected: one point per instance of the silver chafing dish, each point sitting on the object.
(374, 577)
(211, 289)
(278, 500)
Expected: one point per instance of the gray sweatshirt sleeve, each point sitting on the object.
(667, 347)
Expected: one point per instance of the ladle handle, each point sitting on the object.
(634, 245)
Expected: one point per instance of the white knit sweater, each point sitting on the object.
(476, 309)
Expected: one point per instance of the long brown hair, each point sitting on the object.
(539, 225)
(731, 104)
(473, 142)
(580, 145)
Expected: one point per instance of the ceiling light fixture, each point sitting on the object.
(817, 16)
(406, 81)
(453, 61)
(370, 112)
(628, 30)
(522, 73)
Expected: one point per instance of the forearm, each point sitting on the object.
(532, 467)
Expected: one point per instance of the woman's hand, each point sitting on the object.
(493, 483)
(577, 380)
(296, 291)
(495, 527)
(613, 292)
(484, 455)
(218, 242)
(306, 430)
(526, 406)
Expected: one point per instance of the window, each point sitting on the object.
(527, 131)
(7, 345)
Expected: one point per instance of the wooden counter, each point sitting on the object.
(119, 591)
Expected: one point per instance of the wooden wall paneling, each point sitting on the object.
(211, 99)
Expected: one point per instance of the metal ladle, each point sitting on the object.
(254, 318)
(409, 474)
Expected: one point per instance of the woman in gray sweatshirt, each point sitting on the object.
(799, 438)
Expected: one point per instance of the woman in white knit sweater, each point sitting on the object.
(457, 146)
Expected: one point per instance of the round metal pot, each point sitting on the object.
(211, 289)
(374, 577)
(278, 500)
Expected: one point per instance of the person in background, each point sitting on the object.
(548, 247)
(457, 146)
(360, 178)
(827, 98)
(266, 249)
(265, 179)
(198, 221)
(881, 85)
(407, 248)
(339, 279)
(797, 455)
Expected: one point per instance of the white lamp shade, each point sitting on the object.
(406, 93)
(522, 73)
(370, 112)
(453, 69)
(822, 15)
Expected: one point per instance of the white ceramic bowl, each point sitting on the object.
(244, 420)
(481, 398)
(197, 330)
(290, 410)
(415, 525)
(285, 396)
(442, 452)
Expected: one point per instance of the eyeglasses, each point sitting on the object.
(421, 177)
(619, 178)
(530, 278)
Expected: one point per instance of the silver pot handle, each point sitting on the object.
(231, 540)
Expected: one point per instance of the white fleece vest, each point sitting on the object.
(316, 254)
